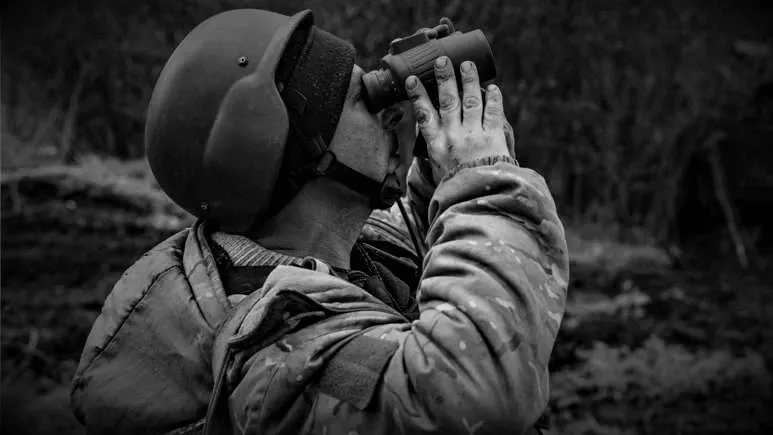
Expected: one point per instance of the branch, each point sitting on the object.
(30, 350)
(71, 117)
(723, 196)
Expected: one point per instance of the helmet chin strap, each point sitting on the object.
(382, 194)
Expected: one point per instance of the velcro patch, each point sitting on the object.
(353, 373)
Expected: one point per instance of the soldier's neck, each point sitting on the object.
(323, 221)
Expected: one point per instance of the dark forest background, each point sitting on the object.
(651, 120)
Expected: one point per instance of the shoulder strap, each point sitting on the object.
(244, 280)
(195, 428)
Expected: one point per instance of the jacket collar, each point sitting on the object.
(202, 274)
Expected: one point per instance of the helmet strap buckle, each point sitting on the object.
(327, 161)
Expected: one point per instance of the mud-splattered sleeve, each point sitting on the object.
(492, 297)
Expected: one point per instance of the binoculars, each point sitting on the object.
(415, 55)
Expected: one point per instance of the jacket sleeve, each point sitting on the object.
(491, 298)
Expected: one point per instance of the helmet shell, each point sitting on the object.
(216, 125)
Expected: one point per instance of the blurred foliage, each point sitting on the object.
(612, 99)
(651, 390)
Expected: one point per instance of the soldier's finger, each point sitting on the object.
(426, 116)
(448, 92)
(510, 137)
(493, 117)
(472, 104)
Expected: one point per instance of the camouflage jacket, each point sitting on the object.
(170, 347)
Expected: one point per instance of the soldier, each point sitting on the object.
(311, 296)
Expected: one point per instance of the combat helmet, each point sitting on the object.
(243, 113)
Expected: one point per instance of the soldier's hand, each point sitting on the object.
(461, 130)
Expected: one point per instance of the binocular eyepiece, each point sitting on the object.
(416, 55)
